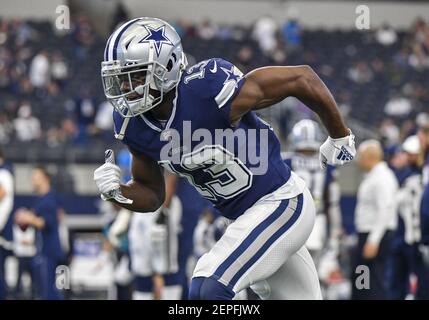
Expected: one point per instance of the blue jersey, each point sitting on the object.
(408, 200)
(48, 239)
(221, 160)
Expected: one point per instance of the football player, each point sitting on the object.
(406, 258)
(305, 139)
(423, 134)
(200, 123)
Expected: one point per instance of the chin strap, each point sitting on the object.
(124, 126)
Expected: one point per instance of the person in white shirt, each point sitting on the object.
(375, 220)
(264, 32)
(27, 126)
(386, 35)
(6, 207)
(39, 70)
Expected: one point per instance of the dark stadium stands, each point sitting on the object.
(333, 54)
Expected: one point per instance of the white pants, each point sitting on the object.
(150, 254)
(264, 249)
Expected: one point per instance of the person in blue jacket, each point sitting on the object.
(44, 217)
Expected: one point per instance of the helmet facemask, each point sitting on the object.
(128, 88)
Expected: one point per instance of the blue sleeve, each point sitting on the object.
(216, 79)
(424, 209)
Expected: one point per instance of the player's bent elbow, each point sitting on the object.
(307, 78)
(307, 73)
(306, 68)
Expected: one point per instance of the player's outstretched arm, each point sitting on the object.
(144, 193)
(269, 85)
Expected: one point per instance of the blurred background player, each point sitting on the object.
(44, 218)
(375, 220)
(161, 243)
(204, 234)
(6, 206)
(161, 262)
(192, 205)
(210, 228)
(423, 134)
(145, 265)
(406, 258)
(117, 248)
(152, 242)
(154, 248)
(115, 252)
(305, 140)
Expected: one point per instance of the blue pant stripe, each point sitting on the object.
(270, 241)
(251, 238)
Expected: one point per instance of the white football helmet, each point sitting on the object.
(306, 135)
(143, 60)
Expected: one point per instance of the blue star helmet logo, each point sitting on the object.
(158, 36)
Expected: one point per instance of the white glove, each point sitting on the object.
(337, 151)
(108, 178)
